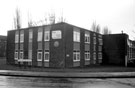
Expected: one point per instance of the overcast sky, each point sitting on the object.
(118, 15)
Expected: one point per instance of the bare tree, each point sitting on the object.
(52, 18)
(98, 29)
(61, 18)
(106, 30)
(93, 28)
(30, 22)
(17, 19)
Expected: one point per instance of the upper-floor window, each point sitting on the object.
(40, 32)
(22, 36)
(76, 36)
(76, 56)
(87, 38)
(16, 37)
(56, 34)
(87, 55)
(100, 41)
(47, 36)
(94, 40)
(99, 48)
(30, 35)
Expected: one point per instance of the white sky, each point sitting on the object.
(118, 15)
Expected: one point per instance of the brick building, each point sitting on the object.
(59, 45)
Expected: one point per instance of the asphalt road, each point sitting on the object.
(31, 82)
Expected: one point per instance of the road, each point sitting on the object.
(31, 82)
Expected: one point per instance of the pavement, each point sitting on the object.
(68, 74)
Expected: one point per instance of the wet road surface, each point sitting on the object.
(31, 82)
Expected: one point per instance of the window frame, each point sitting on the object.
(76, 36)
(21, 53)
(16, 53)
(40, 35)
(99, 48)
(87, 53)
(87, 38)
(100, 41)
(47, 60)
(76, 54)
(17, 37)
(30, 35)
(39, 52)
(94, 40)
(100, 55)
(22, 36)
(46, 33)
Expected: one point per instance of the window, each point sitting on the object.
(21, 55)
(76, 56)
(87, 38)
(30, 35)
(16, 37)
(30, 54)
(39, 56)
(94, 56)
(100, 36)
(100, 41)
(99, 48)
(99, 55)
(94, 47)
(40, 34)
(76, 36)
(22, 36)
(16, 56)
(56, 34)
(87, 55)
(46, 56)
(47, 36)
(94, 40)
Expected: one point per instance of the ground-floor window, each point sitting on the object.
(21, 55)
(46, 56)
(100, 55)
(99, 48)
(76, 56)
(39, 56)
(16, 56)
(87, 55)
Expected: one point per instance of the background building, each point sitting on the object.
(118, 49)
(58, 45)
(3, 40)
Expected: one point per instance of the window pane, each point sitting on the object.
(47, 36)
(21, 55)
(40, 34)
(46, 56)
(78, 56)
(16, 37)
(22, 36)
(74, 56)
(30, 35)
